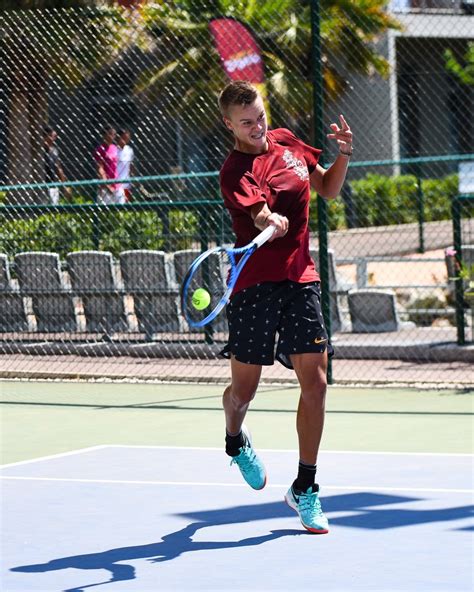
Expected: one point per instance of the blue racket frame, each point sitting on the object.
(235, 269)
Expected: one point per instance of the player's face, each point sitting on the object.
(249, 126)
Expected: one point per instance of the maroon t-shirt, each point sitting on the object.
(279, 177)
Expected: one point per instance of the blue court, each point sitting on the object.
(142, 518)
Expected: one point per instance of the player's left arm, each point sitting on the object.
(328, 182)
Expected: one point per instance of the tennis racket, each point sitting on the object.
(208, 274)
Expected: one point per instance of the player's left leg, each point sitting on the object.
(310, 369)
(303, 495)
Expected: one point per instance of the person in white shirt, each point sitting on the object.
(124, 165)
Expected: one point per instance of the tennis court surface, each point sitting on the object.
(126, 487)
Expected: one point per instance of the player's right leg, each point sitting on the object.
(236, 399)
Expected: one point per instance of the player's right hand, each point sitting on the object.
(280, 223)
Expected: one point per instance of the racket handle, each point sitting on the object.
(264, 236)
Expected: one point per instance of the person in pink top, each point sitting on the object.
(106, 158)
(266, 180)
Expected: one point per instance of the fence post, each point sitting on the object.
(318, 97)
(458, 283)
(421, 216)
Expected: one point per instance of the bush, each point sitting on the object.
(59, 233)
(381, 200)
(336, 214)
(109, 231)
(438, 194)
(418, 313)
(121, 231)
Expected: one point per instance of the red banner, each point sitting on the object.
(238, 50)
(240, 55)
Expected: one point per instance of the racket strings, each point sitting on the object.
(210, 275)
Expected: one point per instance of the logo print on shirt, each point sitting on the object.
(296, 164)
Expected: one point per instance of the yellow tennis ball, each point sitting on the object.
(201, 299)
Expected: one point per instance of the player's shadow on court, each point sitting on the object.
(172, 545)
(367, 516)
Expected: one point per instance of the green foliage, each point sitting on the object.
(58, 233)
(419, 311)
(121, 231)
(463, 72)
(381, 200)
(63, 233)
(438, 194)
(336, 214)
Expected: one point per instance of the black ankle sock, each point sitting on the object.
(306, 476)
(234, 443)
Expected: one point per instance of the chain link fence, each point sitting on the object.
(92, 256)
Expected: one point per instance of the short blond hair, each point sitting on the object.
(237, 92)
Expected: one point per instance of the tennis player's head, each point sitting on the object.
(243, 112)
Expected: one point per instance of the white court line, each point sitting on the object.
(221, 449)
(51, 456)
(207, 484)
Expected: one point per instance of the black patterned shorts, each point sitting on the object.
(256, 314)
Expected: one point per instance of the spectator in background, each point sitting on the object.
(125, 168)
(53, 170)
(106, 158)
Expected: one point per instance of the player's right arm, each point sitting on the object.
(262, 217)
(241, 190)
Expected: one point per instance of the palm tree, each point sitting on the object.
(349, 29)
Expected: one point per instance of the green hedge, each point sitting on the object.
(380, 200)
(438, 194)
(112, 231)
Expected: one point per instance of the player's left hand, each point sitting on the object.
(342, 135)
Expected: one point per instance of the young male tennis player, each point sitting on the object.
(265, 180)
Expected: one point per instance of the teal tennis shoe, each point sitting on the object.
(251, 467)
(308, 507)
